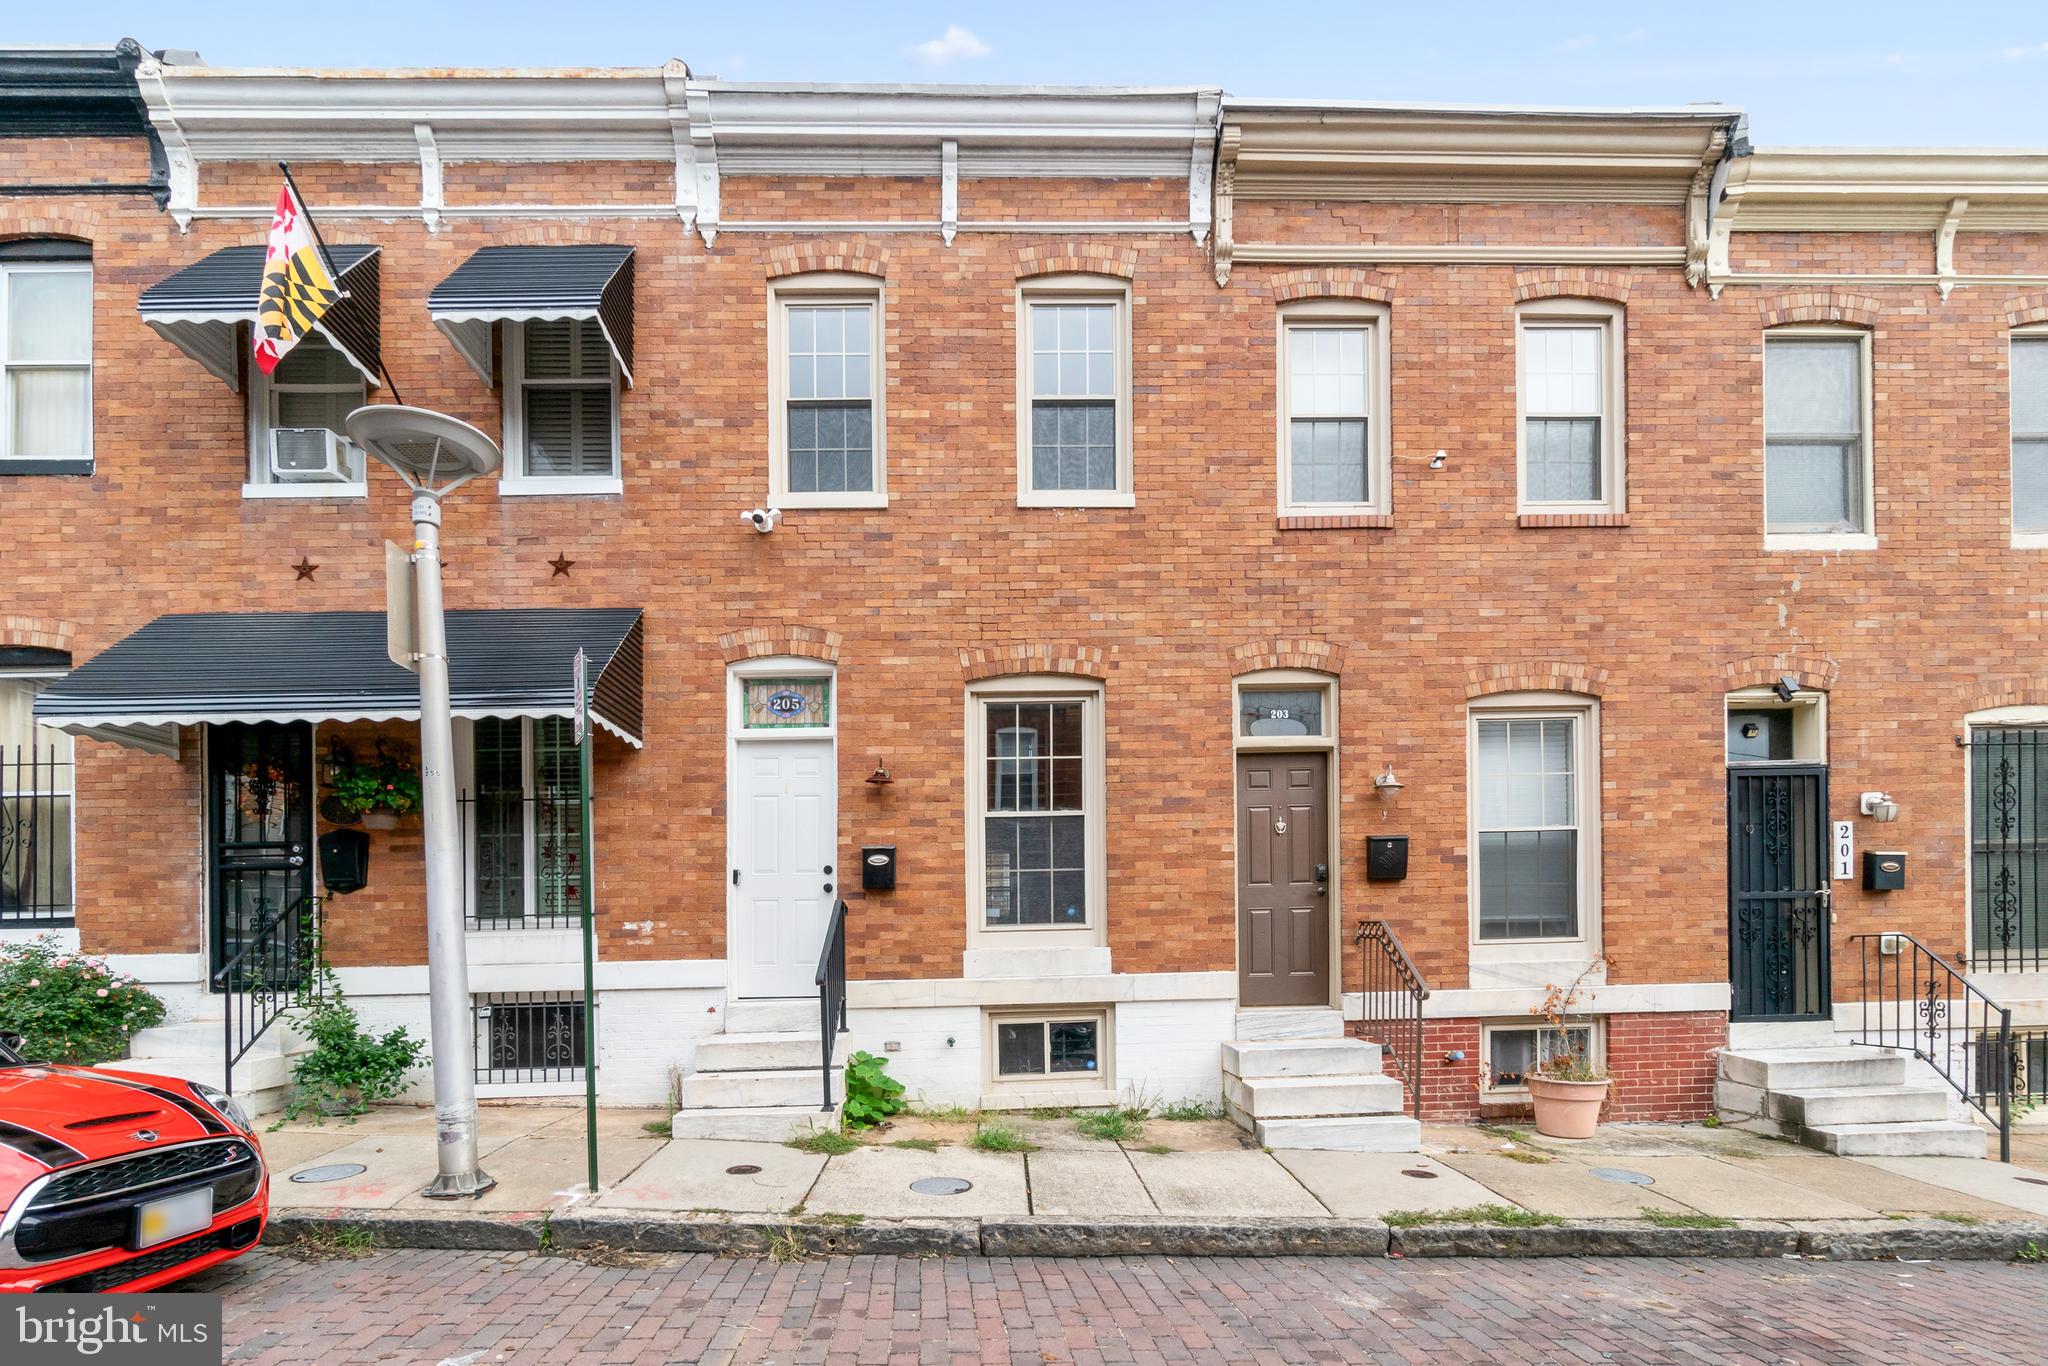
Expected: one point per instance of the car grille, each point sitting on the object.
(86, 1225)
(160, 1259)
(143, 1169)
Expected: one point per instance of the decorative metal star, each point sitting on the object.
(305, 569)
(560, 564)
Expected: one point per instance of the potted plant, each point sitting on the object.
(377, 792)
(349, 1068)
(1565, 1086)
(70, 1007)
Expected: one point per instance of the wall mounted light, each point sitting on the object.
(880, 777)
(1787, 687)
(1879, 806)
(1387, 785)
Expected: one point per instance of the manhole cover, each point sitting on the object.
(941, 1185)
(339, 1171)
(744, 1169)
(1418, 1173)
(1623, 1176)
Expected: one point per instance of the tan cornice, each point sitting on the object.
(1815, 189)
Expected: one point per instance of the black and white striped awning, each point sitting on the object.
(333, 666)
(202, 309)
(518, 284)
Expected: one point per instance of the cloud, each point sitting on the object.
(955, 44)
(1578, 44)
(2020, 54)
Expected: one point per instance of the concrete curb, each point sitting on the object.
(815, 1235)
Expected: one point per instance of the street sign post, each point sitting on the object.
(401, 616)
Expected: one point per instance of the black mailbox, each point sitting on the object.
(344, 860)
(1386, 858)
(1882, 871)
(878, 868)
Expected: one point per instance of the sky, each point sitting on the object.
(1875, 73)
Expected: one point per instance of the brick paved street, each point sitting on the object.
(479, 1308)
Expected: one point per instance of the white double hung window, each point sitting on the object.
(1570, 396)
(561, 408)
(1816, 437)
(45, 358)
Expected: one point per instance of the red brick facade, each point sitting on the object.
(1451, 597)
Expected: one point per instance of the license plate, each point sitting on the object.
(174, 1216)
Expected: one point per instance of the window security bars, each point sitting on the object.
(525, 1037)
(35, 838)
(522, 860)
(2009, 849)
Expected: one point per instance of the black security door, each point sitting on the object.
(1778, 893)
(259, 822)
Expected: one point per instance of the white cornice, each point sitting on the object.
(1882, 189)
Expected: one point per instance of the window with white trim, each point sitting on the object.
(2030, 433)
(45, 357)
(1070, 1047)
(1571, 397)
(1817, 432)
(312, 390)
(36, 787)
(523, 823)
(1334, 440)
(826, 412)
(1036, 786)
(1535, 819)
(1516, 1052)
(561, 408)
(1075, 405)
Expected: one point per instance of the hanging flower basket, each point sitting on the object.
(377, 792)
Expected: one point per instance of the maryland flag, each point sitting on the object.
(297, 285)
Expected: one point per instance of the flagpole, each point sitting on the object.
(327, 260)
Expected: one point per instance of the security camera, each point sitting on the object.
(762, 520)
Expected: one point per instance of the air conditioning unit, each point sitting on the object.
(308, 455)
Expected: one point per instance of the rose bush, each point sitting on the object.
(70, 1006)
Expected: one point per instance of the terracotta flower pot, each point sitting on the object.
(1567, 1109)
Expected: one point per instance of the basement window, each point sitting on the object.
(1515, 1051)
(1066, 1047)
(529, 1037)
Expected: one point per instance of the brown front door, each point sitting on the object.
(1283, 879)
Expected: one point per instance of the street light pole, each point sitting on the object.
(435, 454)
(447, 952)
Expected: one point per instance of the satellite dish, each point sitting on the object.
(431, 451)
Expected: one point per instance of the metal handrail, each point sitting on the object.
(1964, 1035)
(831, 983)
(1393, 995)
(267, 975)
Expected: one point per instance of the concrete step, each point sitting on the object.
(1918, 1138)
(253, 1074)
(761, 1123)
(1307, 1097)
(1349, 1133)
(1251, 1058)
(204, 1038)
(1290, 1022)
(753, 1090)
(791, 1015)
(1814, 1107)
(1791, 1069)
(758, 1052)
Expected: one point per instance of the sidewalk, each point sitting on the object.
(1186, 1186)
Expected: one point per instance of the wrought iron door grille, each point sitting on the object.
(524, 1037)
(1778, 892)
(35, 837)
(2009, 849)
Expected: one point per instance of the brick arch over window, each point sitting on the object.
(18, 220)
(40, 633)
(544, 235)
(1082, 258)
(1818, 306)
(1760, 671)
(1256, 656)
(1043, 657)
(2012, 692)
(762, 642)
(842, 254)
(1333, 282)
(1534, 675)
(1572, 282)
(2022, 310)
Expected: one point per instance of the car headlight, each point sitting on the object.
(225, 1103)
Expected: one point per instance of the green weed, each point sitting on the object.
(1665, 1218)
(824, 1142)
(1505, 1216)
(1001, 1138)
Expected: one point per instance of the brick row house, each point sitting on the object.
(1240, 566)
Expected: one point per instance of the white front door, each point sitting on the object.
(783, 838)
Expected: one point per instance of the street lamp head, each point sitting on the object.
(432, 452)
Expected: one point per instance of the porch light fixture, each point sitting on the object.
(1879, 806)
(1387, 785)
(880, 777)
(435, 455)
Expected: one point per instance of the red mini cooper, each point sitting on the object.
(120, 1181)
